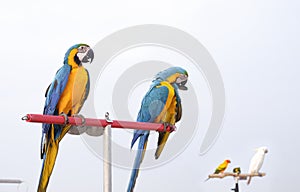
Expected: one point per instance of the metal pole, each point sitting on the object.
(107, 183)
(236, 189)
(11, 181)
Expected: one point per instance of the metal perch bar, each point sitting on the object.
(107, 124)
(37, 118)
(11, 181)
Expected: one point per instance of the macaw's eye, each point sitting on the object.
(81, 49)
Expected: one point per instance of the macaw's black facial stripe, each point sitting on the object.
(77, 60)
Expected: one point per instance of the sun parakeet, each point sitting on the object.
(65, 96)
(161, 104)
(221, 168)
(257, 161)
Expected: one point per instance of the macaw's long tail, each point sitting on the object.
(49, 156)
(138, 160)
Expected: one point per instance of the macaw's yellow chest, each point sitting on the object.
(74, 91)
(172, 111)
(168, 115)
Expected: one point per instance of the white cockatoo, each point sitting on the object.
(257, 161)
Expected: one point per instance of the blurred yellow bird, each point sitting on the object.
(222, 167)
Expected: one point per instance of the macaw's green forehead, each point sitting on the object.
(82, 44)
(77, 46)
(185, 73)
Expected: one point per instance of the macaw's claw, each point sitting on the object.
(172, 128)
(66, 118)
(81, 117)
(168, 127)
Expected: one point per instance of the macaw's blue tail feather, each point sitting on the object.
(136, 135)
(138, 160)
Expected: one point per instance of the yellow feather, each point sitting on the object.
(71, 98)
(71, 58)
(51, 153)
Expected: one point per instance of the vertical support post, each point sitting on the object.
(107, 184)
(236, 189)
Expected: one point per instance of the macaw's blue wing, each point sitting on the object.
(152, 106)
(52, 133)
(54, 92)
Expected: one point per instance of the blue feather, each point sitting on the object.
(52, 97)
(55, 90)
(152, 105)
(138, 160)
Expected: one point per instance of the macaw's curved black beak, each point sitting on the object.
(89, 57)
(182, 86)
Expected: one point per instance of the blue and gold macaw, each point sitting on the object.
(161, 104)
(65, 96)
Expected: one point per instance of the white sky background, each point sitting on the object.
(254, 43)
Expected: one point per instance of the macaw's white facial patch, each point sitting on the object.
(82, 51)
(181, 78)
(181, 81)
